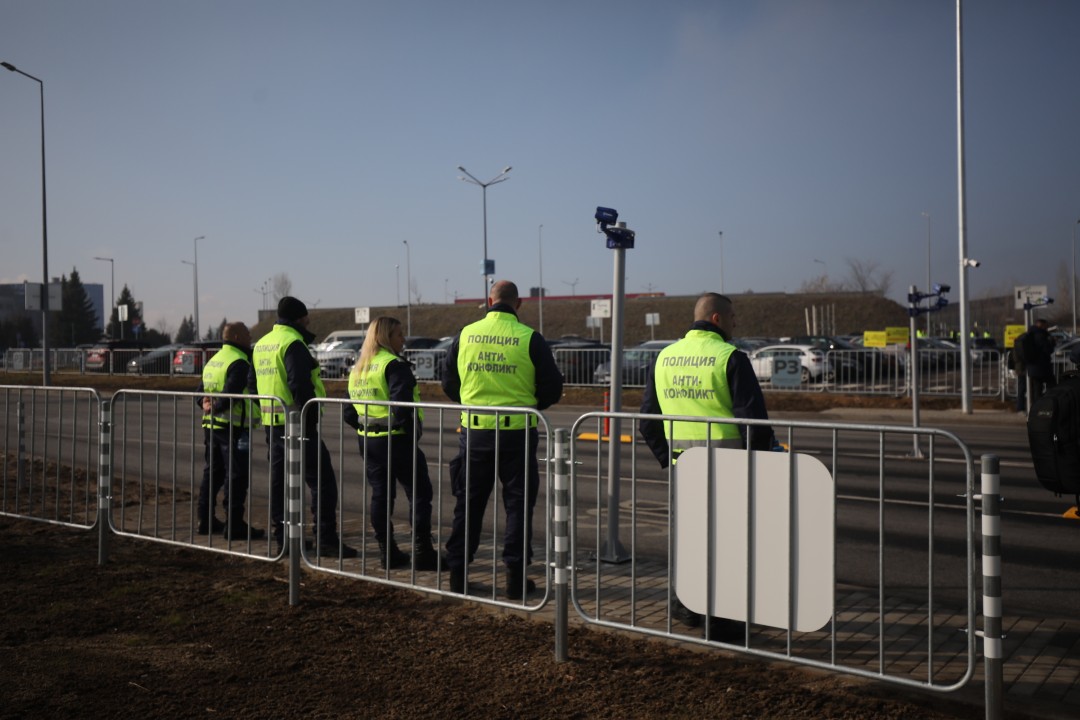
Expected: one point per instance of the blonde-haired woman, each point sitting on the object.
(381, 375)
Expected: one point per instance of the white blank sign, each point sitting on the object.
(800, 573)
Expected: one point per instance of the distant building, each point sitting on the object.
(13, 303)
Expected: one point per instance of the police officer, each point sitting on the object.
(704, 375)
(497, 361)
(386, 441)
(226, 431)
(285, 368)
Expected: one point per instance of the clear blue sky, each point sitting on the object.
(312, 138)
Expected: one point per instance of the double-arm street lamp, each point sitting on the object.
(195, 274)
(470, 178)
(44, 233)
(112, 291)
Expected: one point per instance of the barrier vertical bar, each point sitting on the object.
(20, 462)
(104, 480)
(560, 530)
(991, 566)
(293, 505)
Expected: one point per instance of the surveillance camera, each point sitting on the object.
(971, 262)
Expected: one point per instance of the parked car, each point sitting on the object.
(333, 340)
(577, 357)
(416, 342)
(337, 363)
(849, 361)
(190, 357)
(155, 362)
(111, 356)
(635, 364)
(812, 360)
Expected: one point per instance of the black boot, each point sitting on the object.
(215, 526)
(424, 554)
(390, 555)
(237, 529)
(516, 582)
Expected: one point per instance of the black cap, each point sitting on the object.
(291, 309)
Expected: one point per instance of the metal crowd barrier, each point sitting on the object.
(440, 437)
(732, 535)
(51, 454)
(759, 556)
(158, 461)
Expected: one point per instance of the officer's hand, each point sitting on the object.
(207, 404)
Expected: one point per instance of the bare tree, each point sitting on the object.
(864, 276)
(820, 284)
(280, 286)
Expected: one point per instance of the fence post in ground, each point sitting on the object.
(561, 532)
(991, 570)
(104, 480)
(293, 504)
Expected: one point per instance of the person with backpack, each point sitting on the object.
(1038, 352)
(1054, 433)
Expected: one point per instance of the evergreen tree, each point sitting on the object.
(134, 318)
(186, 333)
(221, 329)
(77, 321)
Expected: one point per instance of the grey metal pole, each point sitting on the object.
(196, 266)
(916, 451)
(993, 661)
(44, 233)
(1072, 278)
(408, 288)
(721, 234)
(293, 503)
(613, 550)
(540, 252)
(929, 281)
(965, 341)
(561, 531)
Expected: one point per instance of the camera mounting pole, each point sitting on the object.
(619, 238)
(914, 310)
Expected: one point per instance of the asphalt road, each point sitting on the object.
(883, 493)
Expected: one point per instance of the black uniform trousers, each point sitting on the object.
(472, 479)
(226, 457)
(318, 476)
(389, 458)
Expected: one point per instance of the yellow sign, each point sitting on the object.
(875, 338)
(1011, 333)
(897, 335)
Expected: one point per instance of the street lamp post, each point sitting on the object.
(112, 292)
(929, 284)
(195, 275)
(540, 252)
(408, 289)
(1072, 278)
(44, 233)
(721, 234)
(397, 286)
(501, 177)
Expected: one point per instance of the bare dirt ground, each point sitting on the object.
(161, 631)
